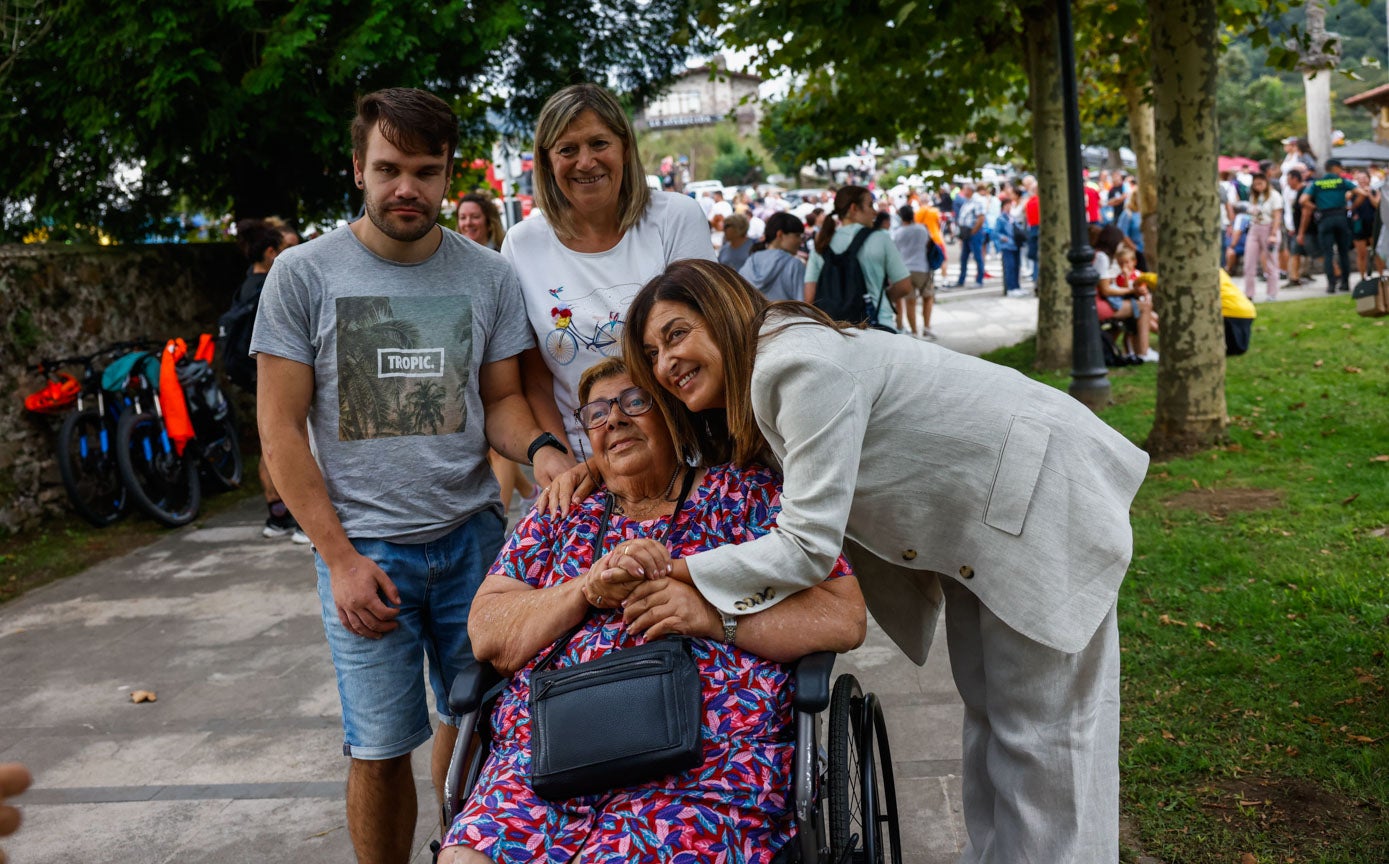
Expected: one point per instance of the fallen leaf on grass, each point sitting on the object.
(1167, 736)
(1318, 364)
(1247, 858)
(1164, 619)
(1363, 677)
(138, 696)
(1380, 532)
(1200, 625)
(1383, 457)
(1354, 370)
(1350, 499)
(1362, 739)
(1244, 803)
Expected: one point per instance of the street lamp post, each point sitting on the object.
(1089, 380)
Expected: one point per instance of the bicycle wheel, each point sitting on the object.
(222, 455)
(562, 345)
(889, 845)
(161, 482)
(847, 818)
(609, 339)
(88, 466)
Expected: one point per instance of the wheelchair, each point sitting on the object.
(843, 794)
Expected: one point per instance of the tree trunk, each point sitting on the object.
(1141, 135)
(1317, 87)
(1049, 155)
(1317, 64)
(1190, 412)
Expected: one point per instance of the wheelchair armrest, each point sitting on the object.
(469, 686)
(812, 676)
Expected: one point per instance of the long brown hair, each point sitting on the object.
(846, 197)
(733, 312)
(495, 230)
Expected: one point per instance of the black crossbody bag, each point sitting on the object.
(623, 719)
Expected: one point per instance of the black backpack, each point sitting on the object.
(841, 286)
(234, 331)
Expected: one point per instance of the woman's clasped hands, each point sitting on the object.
(634, 576)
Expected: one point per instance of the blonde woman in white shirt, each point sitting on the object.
(1261, 245)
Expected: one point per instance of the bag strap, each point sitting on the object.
(600, 540)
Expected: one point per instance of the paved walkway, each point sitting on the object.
(238, 760)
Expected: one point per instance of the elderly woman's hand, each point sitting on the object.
(662, 607)
(606, 585)
(568, 489)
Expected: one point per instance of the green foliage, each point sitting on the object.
(246, 105)
(738, 168)
(930, 74)
(1256, 111)
(702, 144)
(789, 142)
(1255, 639)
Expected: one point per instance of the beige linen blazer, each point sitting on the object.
(921, 464)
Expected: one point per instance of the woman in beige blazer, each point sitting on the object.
(945, 477)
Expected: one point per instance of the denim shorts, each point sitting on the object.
(384, 712)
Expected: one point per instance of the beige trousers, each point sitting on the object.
(1041, 740)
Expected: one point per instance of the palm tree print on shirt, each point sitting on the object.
(403, 365)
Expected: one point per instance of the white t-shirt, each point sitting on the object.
(577, 301)
(1266, 212)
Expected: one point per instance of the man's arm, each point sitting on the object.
(283, 396)
(539, 386)
(509, 422)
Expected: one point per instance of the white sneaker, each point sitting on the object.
(300, 537)
(928, 333)
(1150, 357)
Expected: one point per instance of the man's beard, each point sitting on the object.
(401, 233)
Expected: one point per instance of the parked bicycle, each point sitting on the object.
(162, 474)
(86, 440)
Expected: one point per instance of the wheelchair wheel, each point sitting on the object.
(164, 484)
(878, 774)
(848, 811)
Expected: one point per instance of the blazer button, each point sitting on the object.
(909, 555)
(967, 572)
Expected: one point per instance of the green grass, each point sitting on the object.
(1255, 714)
(67, 545)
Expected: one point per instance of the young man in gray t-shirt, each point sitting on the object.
(388, 362)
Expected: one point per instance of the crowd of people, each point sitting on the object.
(1279, 219)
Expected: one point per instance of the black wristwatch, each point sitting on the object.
(546, 439)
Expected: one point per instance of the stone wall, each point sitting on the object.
(63, 300)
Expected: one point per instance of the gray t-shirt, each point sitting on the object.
(396, 423)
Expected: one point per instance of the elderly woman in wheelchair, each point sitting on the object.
(562, 586)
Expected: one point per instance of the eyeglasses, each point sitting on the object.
(634, 402)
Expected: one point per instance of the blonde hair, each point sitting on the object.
(561, 110)
(1124, 253)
